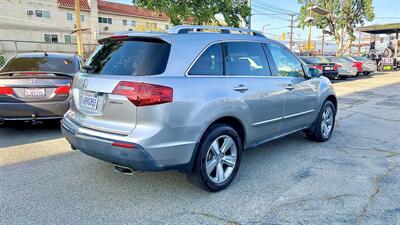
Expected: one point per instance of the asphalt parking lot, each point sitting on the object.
(354, 178)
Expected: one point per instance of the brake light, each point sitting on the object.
(6, 91)
(318, 67)
(62, 90)
(119, 37)
(358, 65)
(336, 67)
(142, 94)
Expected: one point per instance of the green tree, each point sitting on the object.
(343, 18)
(201, 11)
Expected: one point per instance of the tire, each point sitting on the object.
(366, 73)
(316, 132)
(357, 74)
(343, 77)
(214, 180)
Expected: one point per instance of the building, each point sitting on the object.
(27, 25)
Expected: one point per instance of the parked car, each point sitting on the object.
(329, 69)
(145, 101)
(35, 86)
(369, 66)
(364, 66)
(346, 68)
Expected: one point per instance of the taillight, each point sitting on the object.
(142, 94)
(358, 65)
(318, 67)
(62, 90)
(6, 91)
(336, 67)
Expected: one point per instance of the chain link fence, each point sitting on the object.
(9, 48)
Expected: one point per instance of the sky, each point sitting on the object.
(386, 11)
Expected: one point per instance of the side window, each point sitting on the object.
(286, 63)
(209, 63)
(245, 58)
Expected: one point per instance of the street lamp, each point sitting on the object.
(318, 10)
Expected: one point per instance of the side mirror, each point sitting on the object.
(314, 72)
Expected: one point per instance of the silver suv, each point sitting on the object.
(192, 100)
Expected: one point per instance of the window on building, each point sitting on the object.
(125, 22)
(70, 17)
(151, 26)
(39, 13)
(133, 23)
(69, 39)
(51, 38)
(166, 27)
(46, 14)
(105, 20)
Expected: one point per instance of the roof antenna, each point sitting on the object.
(45, 54)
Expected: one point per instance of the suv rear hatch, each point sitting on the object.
(108, 91)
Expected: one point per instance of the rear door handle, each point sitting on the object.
(241, 88)
(289, 87)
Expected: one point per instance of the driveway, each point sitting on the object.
(354, 178)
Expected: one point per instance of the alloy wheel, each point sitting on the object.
(221, 158)
(327, 122)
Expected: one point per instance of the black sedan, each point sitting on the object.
(329, 69)
(36, 86)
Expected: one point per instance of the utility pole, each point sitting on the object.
(323, 42)
(291, 30)
(78, 26)
(359, 43)
(249, 20)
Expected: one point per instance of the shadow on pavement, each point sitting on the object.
(19, 132)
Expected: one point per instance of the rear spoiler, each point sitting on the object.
(138, 36)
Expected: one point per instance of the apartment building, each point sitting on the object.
(53, 21)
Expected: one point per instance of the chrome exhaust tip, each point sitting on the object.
(123, 170)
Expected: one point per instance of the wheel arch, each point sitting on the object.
(228, 120)
(333, 99)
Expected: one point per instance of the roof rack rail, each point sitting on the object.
(184, 29)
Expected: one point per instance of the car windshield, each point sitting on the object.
(42, 63)
(133, 58)
(347, 59)
(359, 58)
(314, 60)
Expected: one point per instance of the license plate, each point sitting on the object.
(328, 68)
(35, 92)
(89, 101)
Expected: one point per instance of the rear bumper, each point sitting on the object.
(33, 111)
(330, 74)
(137, 157)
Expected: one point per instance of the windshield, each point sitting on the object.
(359, 58)
(132, 58)
(314, 60)
(45, 63)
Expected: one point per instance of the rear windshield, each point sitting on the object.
(132, 58)
(46, 64)
(312, 60)
(359, 58)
